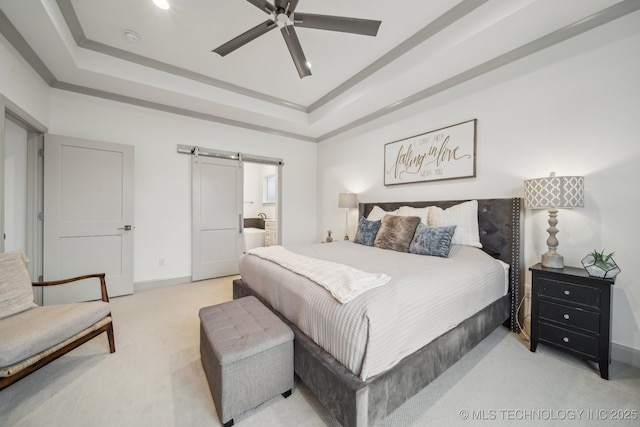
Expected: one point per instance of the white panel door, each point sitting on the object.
(217, 200)
(88, 217)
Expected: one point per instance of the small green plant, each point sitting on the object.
(599, 264)
(600, 259)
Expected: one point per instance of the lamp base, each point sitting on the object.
(346, 224)
(552, 259)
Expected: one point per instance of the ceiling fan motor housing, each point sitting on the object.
(282, 18)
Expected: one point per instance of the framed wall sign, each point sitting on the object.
(446, 153)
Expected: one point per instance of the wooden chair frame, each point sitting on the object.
(108, 328)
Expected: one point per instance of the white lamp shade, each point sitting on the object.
(554, 192)
(347, 200)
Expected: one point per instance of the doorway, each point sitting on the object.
(260, 205)
(21, 187)
(15, 185)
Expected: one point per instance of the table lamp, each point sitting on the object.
(551, 193)
(348, 201)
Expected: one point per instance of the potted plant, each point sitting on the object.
(600, 265)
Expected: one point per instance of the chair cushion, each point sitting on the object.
(16, 292)
(30, 332)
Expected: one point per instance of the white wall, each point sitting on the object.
(163, 177)
(573, 109)
(21, 84)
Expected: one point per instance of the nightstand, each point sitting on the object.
(571, 311)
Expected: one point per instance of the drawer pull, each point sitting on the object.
(566, 317)
(567, 292)
(565, 339)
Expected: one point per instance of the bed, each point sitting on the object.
(357, 398)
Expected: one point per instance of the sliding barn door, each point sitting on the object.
(88, 217)
(217, 197)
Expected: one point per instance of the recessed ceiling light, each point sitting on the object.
(131, 35)
(162, 4)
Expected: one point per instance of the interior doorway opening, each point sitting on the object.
(260, 209)
(21, 187)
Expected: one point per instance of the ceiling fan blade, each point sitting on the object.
(245, 37)
(295, 49)
(366, 27)
(263, 5)
(282, 4)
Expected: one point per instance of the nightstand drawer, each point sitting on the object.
(569, 316)
(569, 292)
(581, 343)
(269, 225)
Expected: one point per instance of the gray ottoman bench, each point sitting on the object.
(247, 355)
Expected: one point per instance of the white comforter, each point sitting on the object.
(425, 297)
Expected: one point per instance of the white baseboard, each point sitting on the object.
(626, 355)
(152, 284)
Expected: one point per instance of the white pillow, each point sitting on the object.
(377, 213)
(464, 216)
(16, 292)
(419, 212)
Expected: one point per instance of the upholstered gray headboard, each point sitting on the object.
(500, 225)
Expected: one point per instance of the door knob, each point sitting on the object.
(126, 227)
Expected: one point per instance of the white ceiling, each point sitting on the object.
(422, 47)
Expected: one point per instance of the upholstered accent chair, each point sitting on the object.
(31, 336)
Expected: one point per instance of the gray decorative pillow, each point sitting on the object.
(367, 230)
(435, 241)
(396, 232)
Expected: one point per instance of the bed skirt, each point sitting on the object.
(354, 402)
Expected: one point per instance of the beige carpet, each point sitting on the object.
(155, 379)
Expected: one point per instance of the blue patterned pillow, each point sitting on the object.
(367, 231)
(435, 241)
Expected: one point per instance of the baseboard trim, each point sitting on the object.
(152, 284)
(624, 354)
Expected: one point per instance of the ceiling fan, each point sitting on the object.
(283, 16)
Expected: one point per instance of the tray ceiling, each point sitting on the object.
(422, 48)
